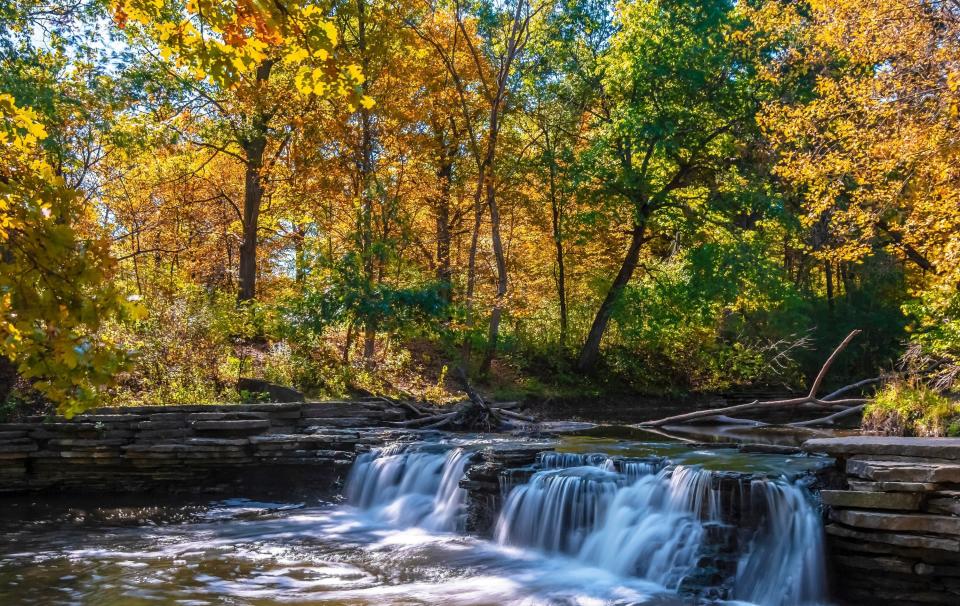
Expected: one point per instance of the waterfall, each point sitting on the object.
(679, 526)
(655, 522)
(784, 563)
(411, 486)
(631, 523)
(557, 508)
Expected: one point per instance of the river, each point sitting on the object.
(596, 520)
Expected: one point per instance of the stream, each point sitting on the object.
(597, 518)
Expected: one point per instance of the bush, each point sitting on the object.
(905, 409)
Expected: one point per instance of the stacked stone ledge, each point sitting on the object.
(186, 448)
(894, 530)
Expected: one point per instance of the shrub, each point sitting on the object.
(912, 409)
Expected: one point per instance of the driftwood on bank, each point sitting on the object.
(844, 407)
(473, 414)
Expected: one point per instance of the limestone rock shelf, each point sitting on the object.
(894, 531)
(188, 448)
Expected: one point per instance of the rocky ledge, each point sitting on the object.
(894, 528)
(189, 448)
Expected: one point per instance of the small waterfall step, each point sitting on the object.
(705, 534)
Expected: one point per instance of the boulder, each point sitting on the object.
(275, 393)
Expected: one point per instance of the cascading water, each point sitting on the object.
(636, 518)
(789, 538)
(410, 486)
(655, 524)
(593, 529)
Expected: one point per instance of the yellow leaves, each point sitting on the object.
(298, 55)
(225, 41)
(51, 280)
(331, 32)
(355, 74)
(879, 139)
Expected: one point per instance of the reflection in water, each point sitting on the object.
(585, 529)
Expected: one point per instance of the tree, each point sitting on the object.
(233, 51)
(54, 286)
(673, 88)
(495, 41)
(871, 148)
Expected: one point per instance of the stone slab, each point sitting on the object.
(238, 425)
(912, 541)
(909, 501)
(947, 502)
(942, 448)
(893, 486)
(8, 448)
(899, 471)
(898, 522)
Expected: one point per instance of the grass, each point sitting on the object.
(904, 409)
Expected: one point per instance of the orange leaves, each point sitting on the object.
(227, 41)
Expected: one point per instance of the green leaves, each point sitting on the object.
(54, 287)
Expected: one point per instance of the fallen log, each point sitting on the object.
(830, 419)
(809, 401)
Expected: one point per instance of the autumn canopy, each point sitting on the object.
(661, 196)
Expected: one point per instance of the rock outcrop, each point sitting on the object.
(894, 530)
(188, 448)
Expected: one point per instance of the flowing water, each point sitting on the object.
(659, 525)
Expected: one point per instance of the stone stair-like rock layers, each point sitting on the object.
(894, 531)
(185, 448)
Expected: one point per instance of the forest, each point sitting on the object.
(543, 197)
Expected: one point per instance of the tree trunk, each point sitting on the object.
(442, 212)
(299, 255)
(366, 172)
(466, 350)
(253, 196)
(591, 347)
(828, 274)
(501, 261)
(557, 224)
(8, 377)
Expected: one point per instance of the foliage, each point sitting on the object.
(226, 42)
(907, 409)
(705, 192)
(54, 284)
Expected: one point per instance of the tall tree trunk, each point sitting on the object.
(556, 216)
(442, 211)
(299, 255)
(253, 148)
(493, 335)
(466, 349)
(590, 352)
(366, 173)
(828, 273)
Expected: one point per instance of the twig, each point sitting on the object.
(515, 415)
(830, 419)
